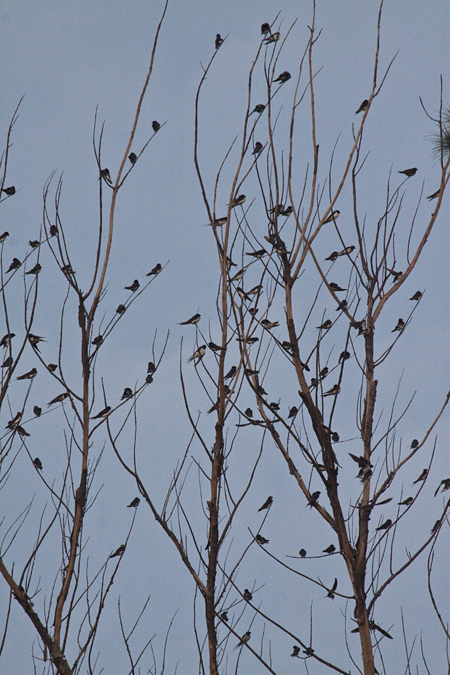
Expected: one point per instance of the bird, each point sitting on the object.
(218, 222)
(295, 651)
(149, 379)
(417, 295)
(132, 157)
(409, 172)
(257, 149)
(323, 373)
(265, 323)
(283, 77)
(37, 410)
(255, 290)
(400, 326)
(7, 363)
(434, 195)
(118, 552)
(6, 339)
(346, 251)
(292, 412)
(406, 502)
(198, 354)
(258, 109)
(53, 230)
(265, 28)
(37, 463)
(22, 431)
(330, 593)
(363, 106)
(267, 504)
(104, 173)
(156, 126)
(326, 325)
(238, 201)
(314, 498)
(28, 376)
(422, 476)
(103, 413)
(10, 191)
(249, 371)
(362, 462)
(435, 527)
(224, 616)
(34, 340)
(248, 412)
(192, 321)
(343, 356)
(219, 41)
(215, 348)
(156, 270)
(385, 526)
(3, 237)
(273, 38)
(134, 286)
(15, 421)
(97, 341)
(287, 211)
(151, 368)
(302, 553)
(34, 243)
(134, 504)
(414, 444)
(333, 216)
(58, 399)
(342, 305)
(247, 595)
(238, 275)
(242, 294)
(333, 256)
(274, 406)
(330, 549)
(35, 270)
(244, 639)
(248, 340)
(231, 373)
(445, 485)
(14, 265)
(127, 393)
(121, 309)
(261, 540)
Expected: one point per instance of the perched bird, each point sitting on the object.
(422, 476)
(34, 340)
(314, 499)
(400, 326)
(396, 275)
(132, 157)
(330, 549)
(219, 222)
(37, 410)
(53, 230)
(219, 41)
(238, 201)
(97, 341)
(332, 217)
(445, 485)
(344, 356)
(215, 348)
(435, 527)
(6, 339)
(360, 326)
(250, 372)
(332, 590)
(156, 126)
(149, 379)
(283, 77)
(342, 305)
(273, 38)
(10, 191)
(244, 639)
(295, 651)
(3, 237)
(14, 265)
(151, 368)
(21, 431)
(192, 321)
(156, 270)
(258, 109)
(385, 526)
(231, 373)
(224, 616)
(257, 149)
(267, 504)
(34, 243)
(323, 373)
(134, 286)
(409, 172)
(302, 553)
(242, 294)
(238, 275)
(335, 437)
(127, 393)
(103, 413)
(333, 256)
(198, 354)
(261, 540)
(67, 269)
(417, 295)
(134, 504)
(118, 552)
(15, 421)
(287, 211)
(414, 444)
(265, 28)
(406, 502)
(434, 195)
(59, 398)
(346, 251)
(247, 595)
(261, 391)
(28, 376)
(265, 323)
(248, 340)
(292, 412)
(255, 290)
(274, 406)
(37, 463)
(35, 270)
(288, 346)
(363, 106)
(248, 412)
(104, 173)
(121, 309)
(7, 363)
(326, 325)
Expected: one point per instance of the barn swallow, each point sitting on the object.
(118, 552)
(292, 412)
(244, 639)
(134, 286)
(346, 251)
(14, 265)
(103, 413)
(218, 222)
(219, 41)
(363, 106)
(273, 38)
(335, 437)
(360, 326)
(156, 126)
(248, 412)
(97, 341)
(385, 526)
(287, 211)
(445, 485)
(309, 651)
(53, 230)
(344, 356)
(255, 290)
(295, 651)
(333, 256)
(134, 504)
(34, 341)
(267, 504)
(35, 270)
(314, 499)
(238, 201)
(406, 502)
(417, 295)
(409, 172)
(242, 294)
(127, 393)
(326, 325)
(274, 406)
(149, 379)
(151, 368)
(67, 269)
(231, 373)
(323, 373)
(414, 444)
(28, 376)
(10, 191)
(287, 346)
(332, 217)
(330, 549)
(121, 309)
(156, 270)
(257, 149)
(258, 109)
(434, 195)
(14, 422)
(248, 340)
(265, 28)
(341, 305)
(261, 540)
(198, 354)
(7, 363)
(283, 77)
(247, 595)
(21, 431)
(3, 237)
(37, 463)
(37, 410)
(249, 371)
(330, 593)
(132, 157)
(215, 348)
(6, 339)
(396, 275)
(59, 398)
(224, 616)
(104, 173)
(400, 326)
(238, 275)
(365, 474)
(435, 527)
(302, 553)
(192, 321)
(265, 323)
(34, 243)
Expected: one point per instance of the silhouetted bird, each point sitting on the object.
(314, 498)
(215, 348)
(37, 463)
(198, 354)
(53, 230)
(363, 106)
(445, 485)
(156, 126)
(323, 373)
(134, 504)
(35, 270)
(151, 368)
(192, 321)
(247, 595)
(149, 379)
(219, 41)
(103, 413)
(341, 305)
(326, 325)
(273, 38)
(238, 275)
(67, 269)
(118, 552)
(261, 540)
(34, 340)
(156, 270)
(283, 77)
(244, 639)
(400, 326)
(231, 373)
(292, 412)
(409, 172)
(34, 243)
(14, 265)
(333, 216)
(414, 444)
(267, 504)
(434, 195)
(265, 28)
(97, 341)
(422, 476)
(104, 173)
(224, 616)
(238, 201)
(248, 412)
(265, 323)
(344, 356)
(295, 651)
(21, 431)
(3, 237)
(28, 376)
(219, 222)
(333, 256)
(302, 553)
(6, 339)
(15, 421)
(37, 410)
(335, 437)
(249, 371)
(258, 109)
(59, 398)
(10, 191)
(242, 294)
(417, 295)
(127, 393)
(330, 549)
(332, 590)
(132, 157)
(257, 149)
(7, 363)
(385, 526)
(435, 527)
(274, 406)
(134, 286)
(121, 309)
(406, 502)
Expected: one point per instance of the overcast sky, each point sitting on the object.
(69, 58)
